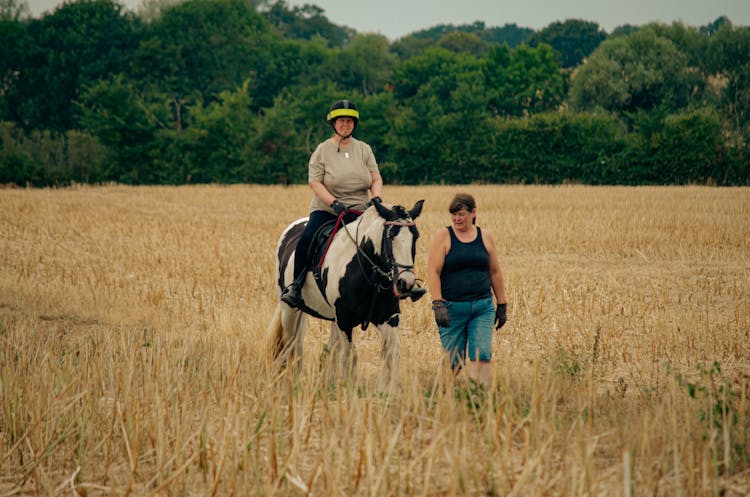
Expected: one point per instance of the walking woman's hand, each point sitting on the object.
(441, 313)
(500, 315)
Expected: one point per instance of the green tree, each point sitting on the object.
(306, 22)
(213, 149)
(377, 112)
(729, 56)
(624, 30)
(689, 40)
(575, 39)
(409, 46)
(115, 113)
(80, 43)
(443, 103)
(509, 33)
(457, 41)
(16, 163)
(714, 27)
(678, 148)
(437, 67)
(555, 147)
(413, 144)
(688, 148)
(286, 134)
(42, 158)
(199, 48)
(12, 32)
(523, 81)
(640, 71)
(364, 65)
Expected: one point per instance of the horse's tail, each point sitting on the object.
(275, 331)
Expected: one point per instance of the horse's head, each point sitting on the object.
(398, 248)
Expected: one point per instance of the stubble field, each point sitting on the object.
(133, 351)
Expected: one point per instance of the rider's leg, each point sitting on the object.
(292, 294)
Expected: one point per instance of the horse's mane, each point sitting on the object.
(369, 225)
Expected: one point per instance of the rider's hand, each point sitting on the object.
(377, 200)
(441, 313)
(338, 207)
(500, 315)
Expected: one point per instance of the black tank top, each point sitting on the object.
(466, 270)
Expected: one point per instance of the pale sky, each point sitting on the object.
(396, 18)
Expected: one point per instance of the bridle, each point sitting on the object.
(386, 244)
(383, 276)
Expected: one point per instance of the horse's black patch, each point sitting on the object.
(393, 321)
(360, 299)
(321, 277)
(286, 249)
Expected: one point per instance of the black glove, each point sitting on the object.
(500, 315)
(338, 207)
(376, 200)
(441, 313)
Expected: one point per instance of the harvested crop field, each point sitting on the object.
(133, 350)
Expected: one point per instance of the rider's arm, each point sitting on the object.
(376, 189)
(321, 192)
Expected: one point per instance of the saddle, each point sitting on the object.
(319, 244)
(322, 238)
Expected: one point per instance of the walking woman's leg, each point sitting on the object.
(479, 330)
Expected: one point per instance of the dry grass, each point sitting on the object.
(132, 361)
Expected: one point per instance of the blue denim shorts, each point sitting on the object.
(470, 331)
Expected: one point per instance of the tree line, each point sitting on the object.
(235, 91)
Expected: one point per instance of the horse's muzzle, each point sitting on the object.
(416, 294)
(403, 290)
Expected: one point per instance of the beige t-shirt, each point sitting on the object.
(346, 173)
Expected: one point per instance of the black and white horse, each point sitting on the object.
(367, 269)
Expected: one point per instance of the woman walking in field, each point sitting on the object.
(341, 171)
(463, 272)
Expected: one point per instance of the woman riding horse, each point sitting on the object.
(341, 171)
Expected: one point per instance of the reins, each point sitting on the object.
(339, 223)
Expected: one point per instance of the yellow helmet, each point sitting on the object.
(342, 108)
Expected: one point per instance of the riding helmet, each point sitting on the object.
(342, 108)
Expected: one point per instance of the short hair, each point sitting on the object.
(462, 201)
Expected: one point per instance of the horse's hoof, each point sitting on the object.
(417, 293)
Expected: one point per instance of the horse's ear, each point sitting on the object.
(385, 212)
(416, 210)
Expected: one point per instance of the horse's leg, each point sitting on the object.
(293, 331)
(342, 356)
(388, 379)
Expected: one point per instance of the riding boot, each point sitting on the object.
(292, 295)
